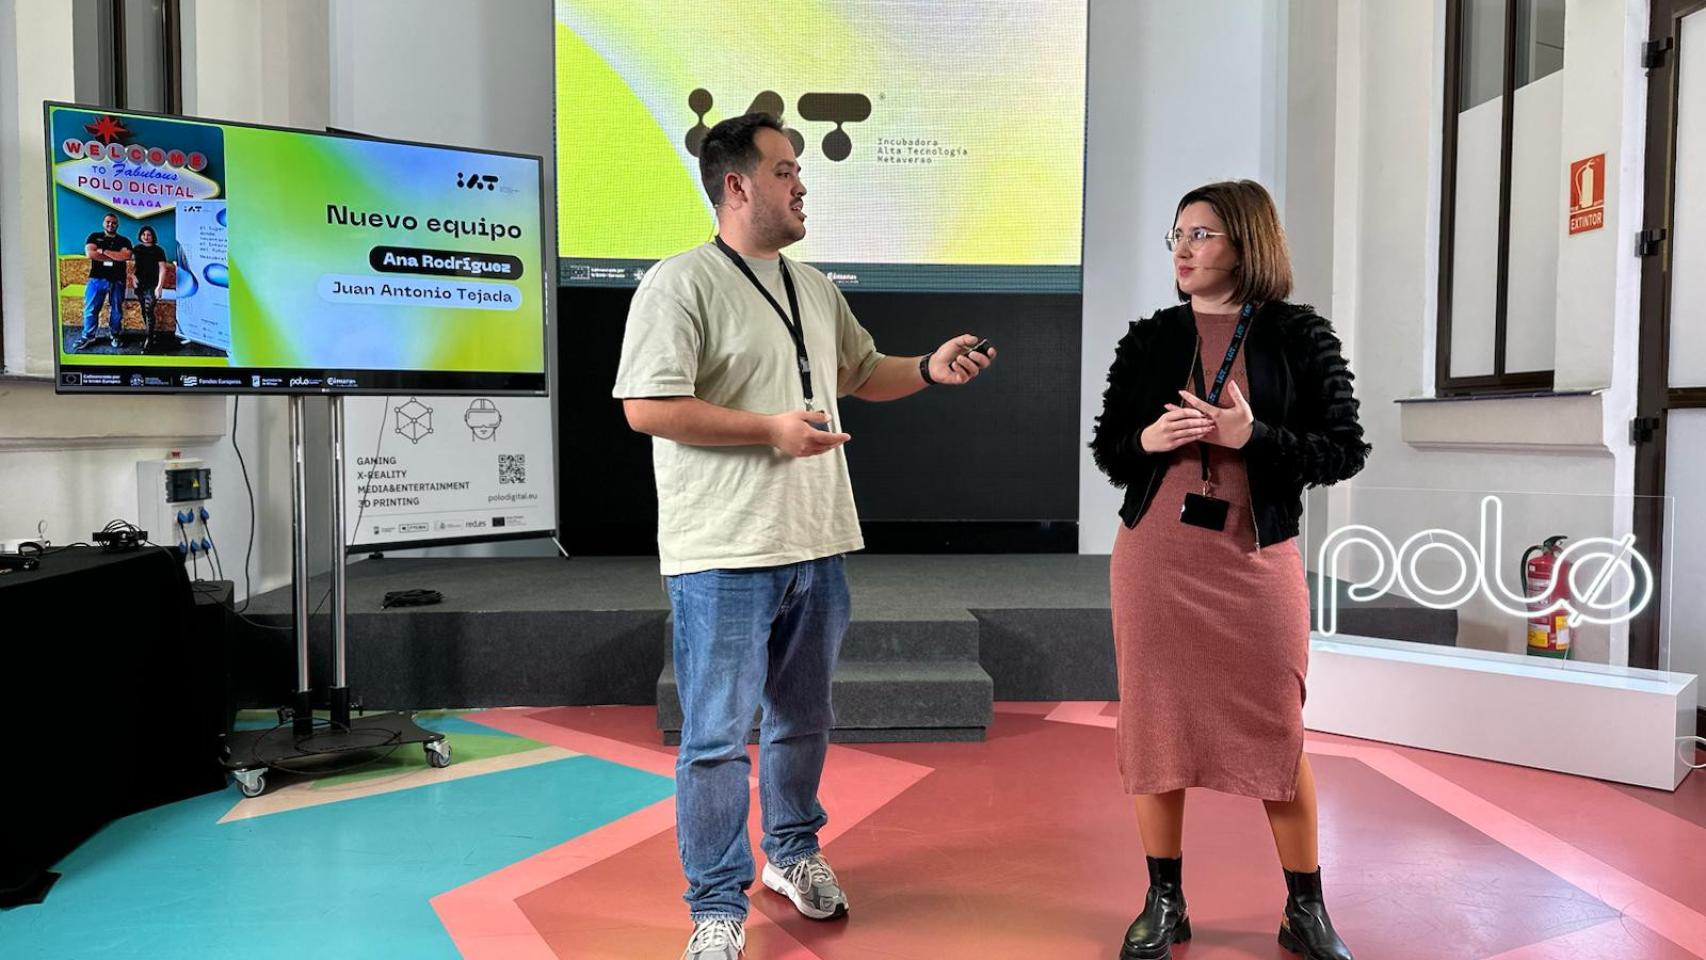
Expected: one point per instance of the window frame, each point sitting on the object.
(1499, 381)
(172, 60)
(172, 57)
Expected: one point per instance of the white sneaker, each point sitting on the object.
(719, 939)
(811, 884)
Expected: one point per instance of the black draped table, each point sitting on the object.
(112, 700)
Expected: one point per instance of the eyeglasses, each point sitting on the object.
(1193, 238)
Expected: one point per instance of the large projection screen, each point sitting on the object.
(942, 143)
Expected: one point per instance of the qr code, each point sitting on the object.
(512, 468)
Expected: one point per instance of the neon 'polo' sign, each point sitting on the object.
(1477, 569)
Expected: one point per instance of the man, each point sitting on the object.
(733, 360)
(107, 252)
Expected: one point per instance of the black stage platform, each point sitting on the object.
(934, 639)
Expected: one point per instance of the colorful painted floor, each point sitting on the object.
(551, 836)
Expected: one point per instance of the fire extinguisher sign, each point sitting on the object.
(1587, 194)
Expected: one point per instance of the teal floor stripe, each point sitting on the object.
(349, 879)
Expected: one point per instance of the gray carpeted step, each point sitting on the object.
(672, 738)
(884, 700)
(911, 640)
(545, 631)
(938, 638)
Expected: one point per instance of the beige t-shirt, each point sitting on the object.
(698, 328)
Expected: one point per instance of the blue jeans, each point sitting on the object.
(745, 638)
(93, 293)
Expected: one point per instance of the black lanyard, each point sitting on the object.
(1212, 397)
(792, 323)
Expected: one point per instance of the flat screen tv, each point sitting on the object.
(194, 255)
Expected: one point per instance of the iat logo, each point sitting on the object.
(836, 108)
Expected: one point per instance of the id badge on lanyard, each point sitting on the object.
(790, 319)
(1204, 509)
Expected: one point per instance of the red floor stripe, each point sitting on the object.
(488, 922)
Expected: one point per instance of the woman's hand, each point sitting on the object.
(1175, 428)
(1231, 425)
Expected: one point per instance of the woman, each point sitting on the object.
(148, 280)
(1210, 606)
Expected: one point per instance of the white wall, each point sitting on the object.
(1688, 238)
(1387, 274)
(1179, 95)
(1136, 170)
(1685, 470)
(1475, 239)
(70, 461)
(37, 65)
(491, 87)
(63, 461)
(258, 61)
(1686, 602)
(1307, 188)
(1335, 104)
(490, 82)
(1538, 206)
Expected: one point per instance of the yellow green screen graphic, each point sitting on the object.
(941, 143)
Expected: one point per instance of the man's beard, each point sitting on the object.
(777, 227)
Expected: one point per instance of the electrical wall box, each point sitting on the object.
(187, 484)
(166, 491)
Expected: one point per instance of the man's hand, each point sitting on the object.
(1231, 425)
(955, 364)
(793, 433)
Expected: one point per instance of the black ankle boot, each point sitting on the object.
(1163, 922)
(1307, 930)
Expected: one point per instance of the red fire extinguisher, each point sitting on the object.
(1548, 633)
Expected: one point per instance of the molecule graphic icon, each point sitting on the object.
(414, 420)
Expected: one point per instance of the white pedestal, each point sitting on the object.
(1610, 723)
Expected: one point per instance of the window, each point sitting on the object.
(128, 54)
(1500, 218)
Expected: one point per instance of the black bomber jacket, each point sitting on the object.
(1305, 434)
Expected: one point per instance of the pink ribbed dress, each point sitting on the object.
(1211, 634)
